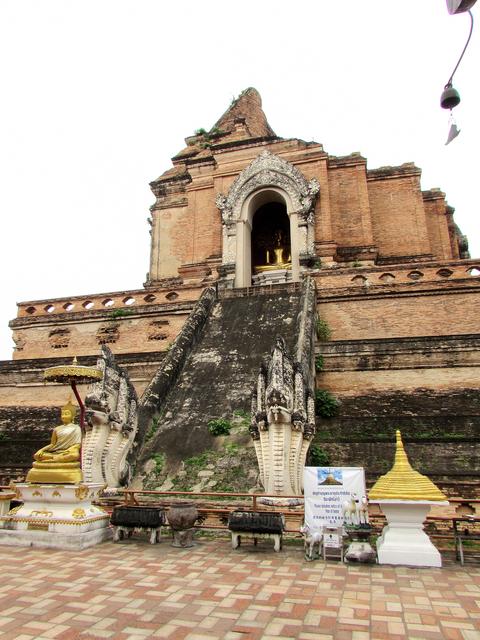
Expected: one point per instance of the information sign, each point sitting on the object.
(331, 539)
(330, 493)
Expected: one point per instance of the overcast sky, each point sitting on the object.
(98, 95)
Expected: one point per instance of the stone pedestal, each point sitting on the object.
(403, 540)
(55, 516)
(272, 276)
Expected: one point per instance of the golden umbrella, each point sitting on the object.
(74, 374)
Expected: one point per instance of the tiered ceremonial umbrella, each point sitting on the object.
(74, 374)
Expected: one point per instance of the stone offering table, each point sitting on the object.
(125, 519)
(258, 524)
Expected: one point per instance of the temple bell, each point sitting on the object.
(450, 97)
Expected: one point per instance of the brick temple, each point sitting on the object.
(241, 220)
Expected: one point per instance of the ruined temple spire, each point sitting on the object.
(246, 112)
(244, 120)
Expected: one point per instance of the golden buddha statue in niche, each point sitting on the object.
(59, 461)
(277, 255)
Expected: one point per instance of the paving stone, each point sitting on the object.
(136, 590)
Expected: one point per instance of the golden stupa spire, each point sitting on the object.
(402, 482)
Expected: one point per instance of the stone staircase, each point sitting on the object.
(217, 369)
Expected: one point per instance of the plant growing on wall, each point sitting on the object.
(207, 136)
(323, 330)
(159, 459)
(120, 313)
(219, 427)
(326, 405)
(198, 461)
(317, 457)
(153, 428)
(231, 448)
(319, 362)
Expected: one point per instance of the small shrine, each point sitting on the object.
(405, 497)
(57, 510)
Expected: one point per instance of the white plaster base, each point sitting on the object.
(274, 276)
(403, 540)
(66, 541)
(55, 516)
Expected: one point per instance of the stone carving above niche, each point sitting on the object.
(158, 330)
(269, 170)
(108, 334)
(59, 338)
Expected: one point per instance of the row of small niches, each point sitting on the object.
(106, 303)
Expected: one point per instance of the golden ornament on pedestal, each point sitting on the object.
(402, 482)
(278, 256)
(59, 461)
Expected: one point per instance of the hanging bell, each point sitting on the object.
(450, 97)
(459, 6)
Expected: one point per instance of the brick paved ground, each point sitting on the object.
(134, 590)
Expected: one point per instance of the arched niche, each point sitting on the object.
(267, 180)
(271, 243)
(282, 217)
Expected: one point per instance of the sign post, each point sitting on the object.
(332, 495)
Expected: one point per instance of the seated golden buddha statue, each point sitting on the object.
(59, 461)
(277, 255)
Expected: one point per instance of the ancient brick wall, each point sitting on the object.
(349, 203)
(124, 334)
(149, 320)
(21, 381)
(23, 431)
(426, 387)
(440, 429)
(402, 306)
(380, 209)
(401, 315)
(125, 328)
(172, 244)
(398, 215)
(437, 223)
